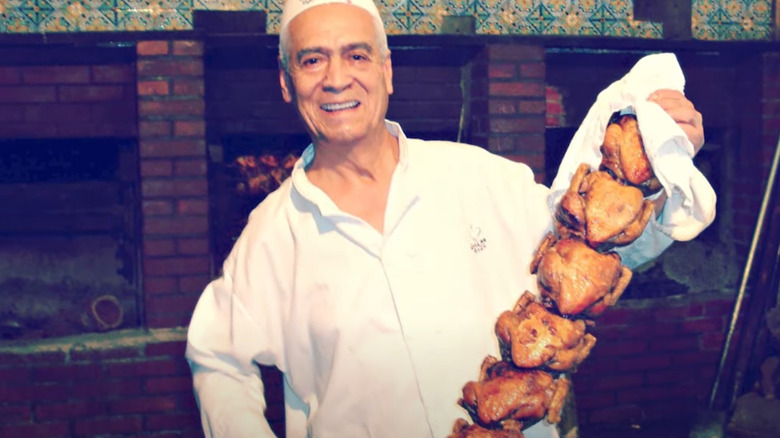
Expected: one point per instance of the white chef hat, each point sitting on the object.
(292, 8)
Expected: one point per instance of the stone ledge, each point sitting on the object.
(95, 341)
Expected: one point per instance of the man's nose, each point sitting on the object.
(337, 75)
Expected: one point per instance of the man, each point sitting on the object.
(372, 278)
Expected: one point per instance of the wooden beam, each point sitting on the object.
(214, 21)
(674, 14)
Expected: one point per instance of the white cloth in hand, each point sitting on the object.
(690, 206)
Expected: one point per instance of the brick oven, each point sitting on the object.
(143, 131)
(105, 247)
(70, 187)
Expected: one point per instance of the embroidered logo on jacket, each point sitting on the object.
(478, 243)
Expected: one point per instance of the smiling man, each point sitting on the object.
(338, 73)
(373, 277)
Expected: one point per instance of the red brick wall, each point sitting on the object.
(654, 360)
(555, 116)
(174, 187)
(121, 385)
(117, 386)
(508, 103)
(67, 101)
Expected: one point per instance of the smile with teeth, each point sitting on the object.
(340, 106)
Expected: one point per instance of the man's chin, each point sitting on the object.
(341, 137)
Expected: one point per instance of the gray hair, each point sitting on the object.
(284, 43)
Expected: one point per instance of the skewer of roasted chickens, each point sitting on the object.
(579, 276)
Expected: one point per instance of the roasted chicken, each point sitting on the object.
(623, 154)
(576, 279)
(531, 336)
(505, 392)
(579, 277)
(599, 209)
(260, 175)
(509, 429)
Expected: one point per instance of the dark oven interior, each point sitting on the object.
(67, 236)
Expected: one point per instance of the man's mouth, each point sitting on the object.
(330, 107)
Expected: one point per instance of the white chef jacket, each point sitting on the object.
(376, 333)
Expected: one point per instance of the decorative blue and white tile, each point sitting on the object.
(273, 14)
(106, 12)
(65, 18)
(488, 16)
(532, 19)
(176, 19)
(238, 5)
(711, 19)
(139, 15)
(15, 21)
(35, 11)
(211, 5)
(100, 23)
(605, 21)
(8, 15)
(646, 29)
(134, 19)
(729, 20)
(133, 5)
(394, 14)
(80, 16)
(574, 22)
(558, 7)
(458, 7)
(408, 15)
(426, 25)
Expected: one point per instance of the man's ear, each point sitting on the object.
(285, 81)
(388, 66)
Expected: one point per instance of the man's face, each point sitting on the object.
(338, 79)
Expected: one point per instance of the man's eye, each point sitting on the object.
(310, 62)
(359, 57)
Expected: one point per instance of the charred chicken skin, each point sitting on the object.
(531, 336)
(623, 154)
(509, 429)
(505, 392)
(576, 279)
(599, 209)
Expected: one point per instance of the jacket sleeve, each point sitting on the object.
(233, 328)
(229, 391)
(648, 246)
(542, 429)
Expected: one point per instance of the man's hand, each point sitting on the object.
(683, 112)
